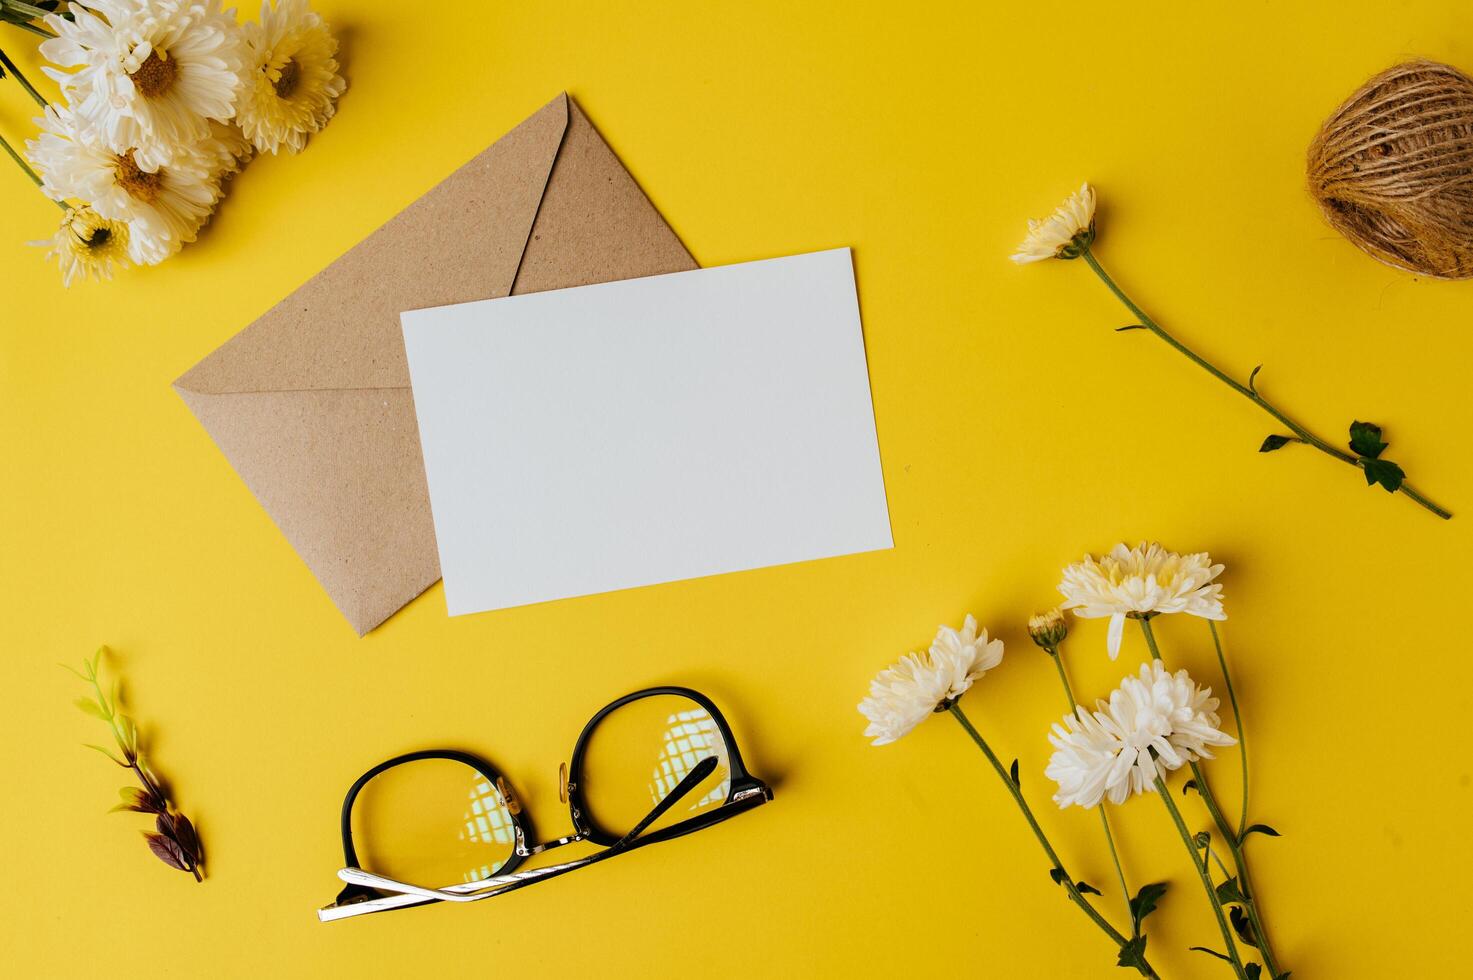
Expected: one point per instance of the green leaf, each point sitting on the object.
(1190, 784)
(91, 707)
(1014, 773)
(1275, 442)
(1253, 970)
(1242, 926)
(1365, 440)
(1259, 828)
(134, 800)
(1384, 472)
(1251, 377)
(1133, 326)
(1057, 874)
(1085, 888)
(1133, 954)
(105, 752)
(1145, 902)
(1229, 893)
(1211, 952)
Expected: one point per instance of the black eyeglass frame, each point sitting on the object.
(744, 792)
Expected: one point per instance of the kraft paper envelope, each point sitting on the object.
(311, 403)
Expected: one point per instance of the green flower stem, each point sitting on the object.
(1240, 862)
(1068, 882)
(1200, 863)
(1237, 722)
(1212, 853)
(21, 13)
(24, 82)
(1234, 841)
(1248, 391)
(33, 28)
(1058, 658)
(20, 161)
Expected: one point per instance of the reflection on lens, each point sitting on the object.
(639, 754)
(433, 822)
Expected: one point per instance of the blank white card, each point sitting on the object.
(648, 430)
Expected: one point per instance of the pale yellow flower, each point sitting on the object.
(1140, 582)
(1152, 724)
(1048, 629)
(87, 244)
(922, 683)
(292, 77)
(163, 208)
(1063, 234)
(148, 75)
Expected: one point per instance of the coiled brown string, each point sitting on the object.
(1392, 169)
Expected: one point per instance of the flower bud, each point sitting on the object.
(1048, 629)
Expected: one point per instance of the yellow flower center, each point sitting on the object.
(286, 82)
(139, 184)
(156, 75)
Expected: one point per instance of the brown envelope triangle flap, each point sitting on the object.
(595, 224)
(461, 241)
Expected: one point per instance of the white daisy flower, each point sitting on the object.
(292, 76)
(922, 683)
(1153, 724)
(225, 151)
(1140, 582)
(87, 244)
(149, 74)
(1063, 234)
(163, 208)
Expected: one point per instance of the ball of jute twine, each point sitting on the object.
(1392, 169)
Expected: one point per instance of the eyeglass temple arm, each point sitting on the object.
(692, 779)
(487, 887)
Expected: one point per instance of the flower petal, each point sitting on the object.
(1117, 633)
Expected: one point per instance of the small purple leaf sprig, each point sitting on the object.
(173, 839)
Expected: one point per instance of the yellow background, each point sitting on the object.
(1017, 432)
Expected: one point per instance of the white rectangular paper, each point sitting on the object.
(609, 436)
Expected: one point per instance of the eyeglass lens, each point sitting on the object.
(640, 752)
(436, 822)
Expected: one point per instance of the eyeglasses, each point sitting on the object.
(653, 765)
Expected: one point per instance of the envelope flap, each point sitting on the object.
(595, 224)
(461, 241)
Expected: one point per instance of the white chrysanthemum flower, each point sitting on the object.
(1153, 724)
(1063, 234)
(1140, 582)
(87, 244)
(163, 209)
(921, 683)
(292, 81)
(225, 150)
(149, 74)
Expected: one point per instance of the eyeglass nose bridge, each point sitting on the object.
(523, 850)
(580, 833)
